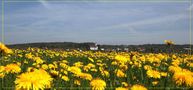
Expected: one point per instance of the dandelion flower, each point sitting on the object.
(98, 84)
(183, 77)
(74, 70)
(121, 58)
(164, 74)
(168, 42)
(65, 78)
(2, 69)
(38, 60)
(174, 69)
(4, 49)
(138, 87)
(153, 74)
(77, 82)
(147, 67)
(44, 66)
(35, 80)
(54, 73)
(120, 73)
(29, 56)
(124, 84)
(105, 73)
(121, 88)
(2, 75)
(12, 68)
(155, 83)
(86, 76)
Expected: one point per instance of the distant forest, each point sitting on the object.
(147, 48)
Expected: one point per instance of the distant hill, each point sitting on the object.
(53, 45)
(85, 46)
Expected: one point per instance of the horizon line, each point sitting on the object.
(94, 42)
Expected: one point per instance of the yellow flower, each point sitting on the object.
(105, 73)
(54, 73)
(175, 62)
(136, 64)
(65, 78)
(120, 73)
(77, 82)
(147, 67)
(121, 58)
(65, 72)
(89, 66)
(51, 66)
(174, 57)
(190, 65)
(2, 69)
(123, 67)
(160, 56)
(2, 46)
(164, 74)
(114, 63)
(2, 75)
(29, 56)
(124, 84)
(38, 60)
(86, 76)
(138, 87)
(94, 70)
(74, 70)
(183, 77)
(168, 42)
(63, 65)
(98, 84)
(35, 80)
(78, 64)
(4, 49)
(121, 88)
(44, 66)
(30, 69)
(8, 51)
(174, 69)
(153, 74)
(155, 83)
(12, 68)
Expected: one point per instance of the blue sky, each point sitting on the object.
(118, 22)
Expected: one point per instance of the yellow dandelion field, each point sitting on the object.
(47, 69)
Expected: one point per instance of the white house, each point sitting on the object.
(126, 49)
(102, 49)
(187, 48)
(93, 47)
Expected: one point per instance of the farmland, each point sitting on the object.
(37, 68)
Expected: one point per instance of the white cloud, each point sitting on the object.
(150, 21)
(191, 7)
(44, 3)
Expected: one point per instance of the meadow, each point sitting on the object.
(46, 69)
